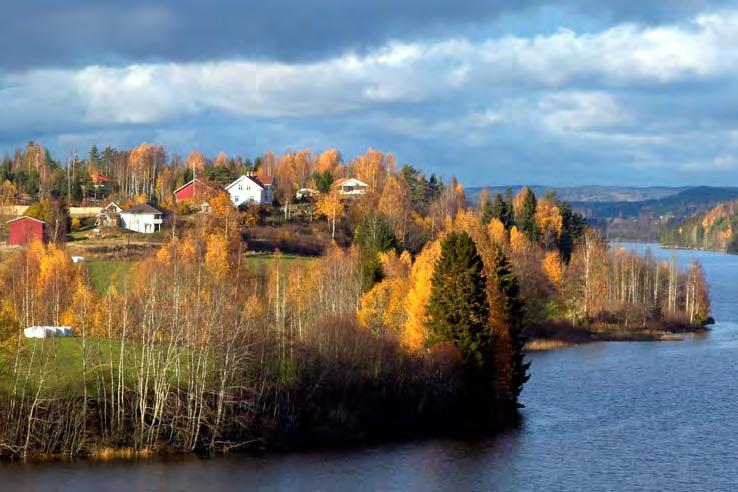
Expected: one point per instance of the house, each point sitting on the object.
(24, 230)
(351, 187)
(195, 190)
(142, 218)
(109, 216)
(250, 189)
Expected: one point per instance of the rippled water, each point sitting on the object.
(608, 416)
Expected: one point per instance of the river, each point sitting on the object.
(605, 416)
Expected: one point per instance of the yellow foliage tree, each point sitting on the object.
(553, 268)
(330, 205)
(418, 296)
(216, 256)
(497, 232)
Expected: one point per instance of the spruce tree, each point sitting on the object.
(526, 217)
(572, 228)
(501, 210)
(458, 310)
(507, 320)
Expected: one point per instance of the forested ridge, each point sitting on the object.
(415, 323)
(713, 230)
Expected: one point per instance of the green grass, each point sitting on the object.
(259, 263)
(104, 273)
(58, 363)
(55, 361)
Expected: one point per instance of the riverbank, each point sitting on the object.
(561, 334)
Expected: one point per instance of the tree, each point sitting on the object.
(458, 310)
(507, 320)
(330, 206)
(485, 206)
(56, 215)
(525, 214)
(572, 228)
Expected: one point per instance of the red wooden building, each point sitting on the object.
(24, 230)
(195, 190)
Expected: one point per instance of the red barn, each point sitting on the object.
(24, 230)
(194, 190)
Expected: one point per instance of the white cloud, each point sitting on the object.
(400, 72)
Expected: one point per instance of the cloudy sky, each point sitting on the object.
(493, 91)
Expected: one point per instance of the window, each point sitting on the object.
(235, 199)
(240, 187)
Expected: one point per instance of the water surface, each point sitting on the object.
(606, 416)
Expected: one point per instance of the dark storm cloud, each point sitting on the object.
(77, 32)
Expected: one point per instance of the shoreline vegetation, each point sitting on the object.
(411, 322)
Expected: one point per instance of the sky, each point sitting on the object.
(494, 92)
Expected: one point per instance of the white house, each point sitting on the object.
(351, 187)
(142, 218)
(251, 190)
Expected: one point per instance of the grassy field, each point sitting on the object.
(57, 362)
(104, 273)
(258, 263)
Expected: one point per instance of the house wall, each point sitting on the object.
(24, 231)
(146, 223)
(243, 191)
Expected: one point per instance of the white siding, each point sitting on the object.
(146, 223)
(244, 191)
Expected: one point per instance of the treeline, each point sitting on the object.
(417, 327)
(149, 173)
(715, 230)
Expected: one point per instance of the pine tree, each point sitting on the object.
(507, 319)
(458, 311)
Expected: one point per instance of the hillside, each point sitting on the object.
(588, 193)
(714, 230)
(634, 213)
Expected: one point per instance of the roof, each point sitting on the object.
(266, 180)
(253, 179)
(99, 178)
(342, 181)
(26, 217)
(143, 208)
(186, 185)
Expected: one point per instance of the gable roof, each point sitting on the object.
(143, 208)
(240, 179)
(26, 217)
(343, 181)
(186, 185)
(116, 206)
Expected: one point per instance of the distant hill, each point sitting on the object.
(588, 193)
(629, 212)
(684, 203)
(715, 230)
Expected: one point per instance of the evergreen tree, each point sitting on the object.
(373, 235)
(526, 216)
(94, 157)
(502, 211)
(458, 310)
(572, 228)
(507, 319)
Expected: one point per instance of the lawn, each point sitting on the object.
(104, 273)
(58, 363)
(258, 263)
